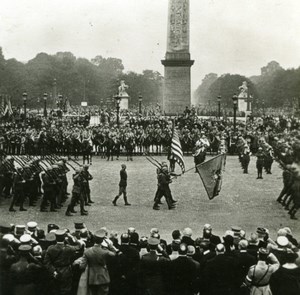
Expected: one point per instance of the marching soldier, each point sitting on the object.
(164, 180)
(48, 188)
(86, 185)
(269, 160)
(18, 190)
(122, 186)
(260, 162)
(245, 159)
(77, 193)
(8, 176)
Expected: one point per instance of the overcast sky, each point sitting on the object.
(227, 36)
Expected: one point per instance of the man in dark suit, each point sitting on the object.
(183, 273)
(59, 259)
(207, 234)
(187, 237)
(129, 262)
(96, 258)
(243, 261)
(219, 273)
(153, 270)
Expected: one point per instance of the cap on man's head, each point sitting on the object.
(5, 229)
(125, 238)
(100, 234)
(153, 241)
(25, 239)
(282, 241)
(51, 227)
(60, 235)
(123, 166)
(50, 237)
(8, 237)
(236, 231)
(261, 231)
(20, 230)
(31, 226)
(24, 249)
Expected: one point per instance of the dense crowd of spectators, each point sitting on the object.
(63, 262)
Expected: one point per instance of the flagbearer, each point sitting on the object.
(163, 190)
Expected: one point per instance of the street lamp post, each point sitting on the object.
(118, 100)
(263, 106)
(235, 101)
(24, 103)
(45, 104)
(219, 106)
(140, 103)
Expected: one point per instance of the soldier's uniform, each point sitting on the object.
(86, 185)
(29, 185)
(260, 162)
(48, 188)
(77, 194)
(8, 176)
(18, 191)
(245, 159)
(164, 180)
(122, 186)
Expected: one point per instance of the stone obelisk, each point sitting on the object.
(177, 62)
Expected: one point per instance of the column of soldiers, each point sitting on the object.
(264, 156)
(31, 179)
(288, 157)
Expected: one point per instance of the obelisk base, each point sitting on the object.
(177, 85)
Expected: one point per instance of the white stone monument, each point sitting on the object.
(123, 96)
(243, 98)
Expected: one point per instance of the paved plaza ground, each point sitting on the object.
(243, 201)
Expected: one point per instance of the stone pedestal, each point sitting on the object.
(124, 102)
(242, 105)
(177, 84)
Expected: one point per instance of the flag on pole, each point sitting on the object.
(2, 106)
(8, 110)
(211, 175)
(176, 150)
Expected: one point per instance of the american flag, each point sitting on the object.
(176, 150)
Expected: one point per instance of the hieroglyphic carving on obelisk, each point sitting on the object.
(177, 62)
(178, 26)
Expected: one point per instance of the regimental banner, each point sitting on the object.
(178, 26)
(211, 175)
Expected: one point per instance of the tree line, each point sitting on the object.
(79, 79)
(275, 87)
